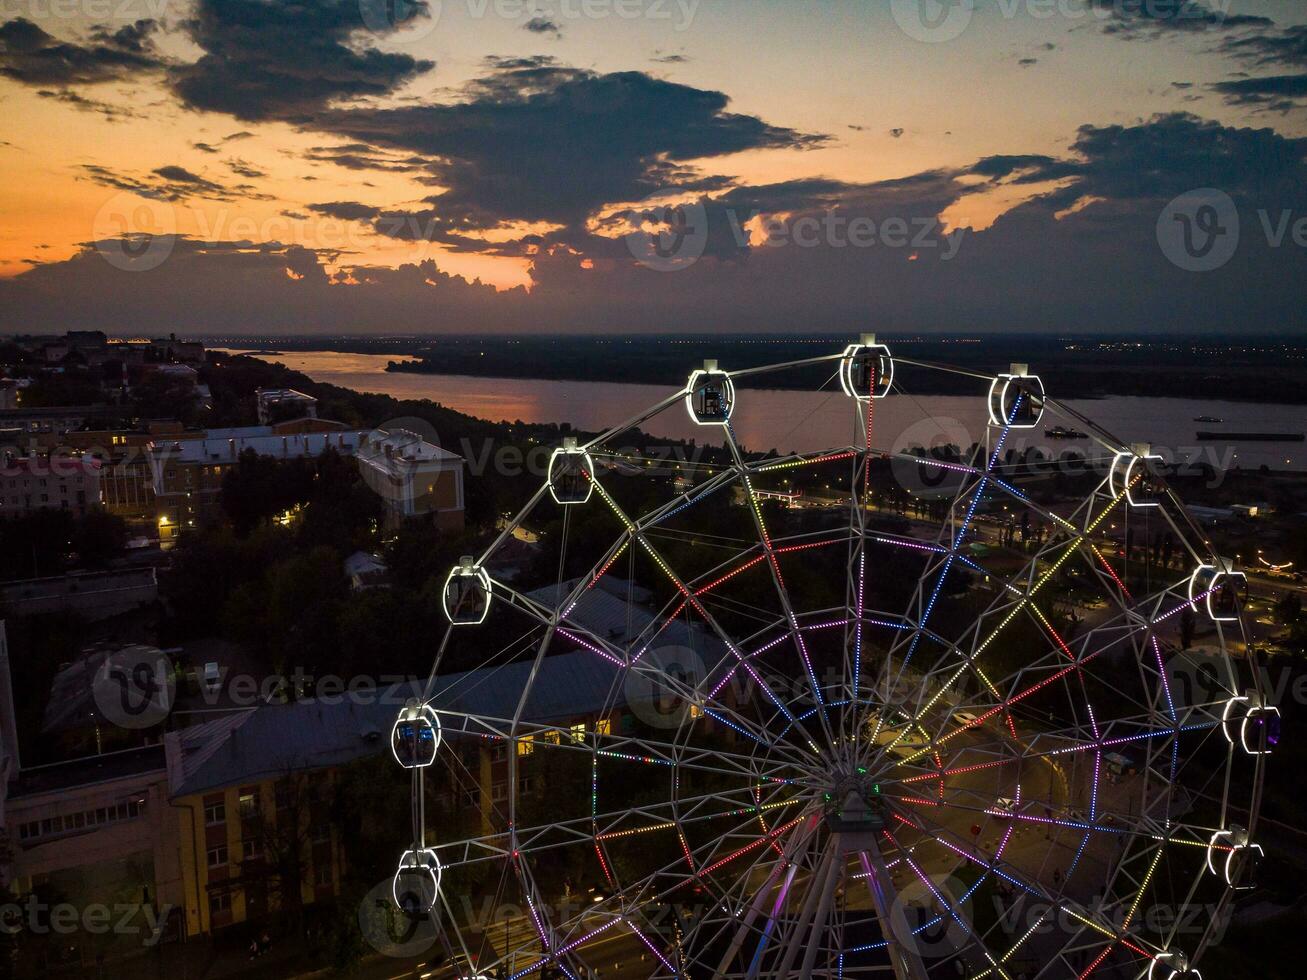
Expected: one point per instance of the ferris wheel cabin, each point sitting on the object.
(570, 474)
(416, 887)
(1016, 399)
(1135, 474)
(710, 395)
(1232, 855)
(416, 736)
(467, 593)
(1217, 587)
(867, 370)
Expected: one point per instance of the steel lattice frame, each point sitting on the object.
(968, 791)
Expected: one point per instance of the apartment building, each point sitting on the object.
(31, 483)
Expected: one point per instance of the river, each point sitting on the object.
(802, 421)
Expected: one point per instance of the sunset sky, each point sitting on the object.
(364, 165)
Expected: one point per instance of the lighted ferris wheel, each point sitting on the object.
(879, 746)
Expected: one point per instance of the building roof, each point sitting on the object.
(88, 771)
(219, 447)
(273, 739)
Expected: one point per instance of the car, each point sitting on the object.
(212, 677)
(1004, 806)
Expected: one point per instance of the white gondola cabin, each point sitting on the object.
(416, 736)
(867, 369)
(710, 395)
(1232, 856)
(571, 472)
(1016, 399)
(416, 887)
(1251, 724)
(1136, 474)
(1216, 587)
(467, 593)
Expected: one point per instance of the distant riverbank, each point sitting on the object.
(818, 418)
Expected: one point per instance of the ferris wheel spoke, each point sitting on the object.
(778, 580)
(1090, 918)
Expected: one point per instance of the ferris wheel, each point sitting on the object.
(772, 719)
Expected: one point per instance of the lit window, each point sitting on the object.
(526, 745)
(604, 726)
(578, 733)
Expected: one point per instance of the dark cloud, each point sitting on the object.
(543, 25)
(1276, 93)
(170, 183)
(82, 103)
(669, 59)
(205, 147)
(1287, 48)
(1027, 62)
(346, 210)
(287, 59)
(1096, 267)
(549, 143)
(242, 169)
(1149, 19)
(31, 56)
(362, 156)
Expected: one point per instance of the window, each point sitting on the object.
(604, 726)
(215, 813)
(218, 856)
(578, 732)
(526, 745)
(500, 792)
(472, 798)
(551, 737)
(526, 785)
(498, 752)
(219, 902)
(249, 850)
(249, 805)
(322, 873)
